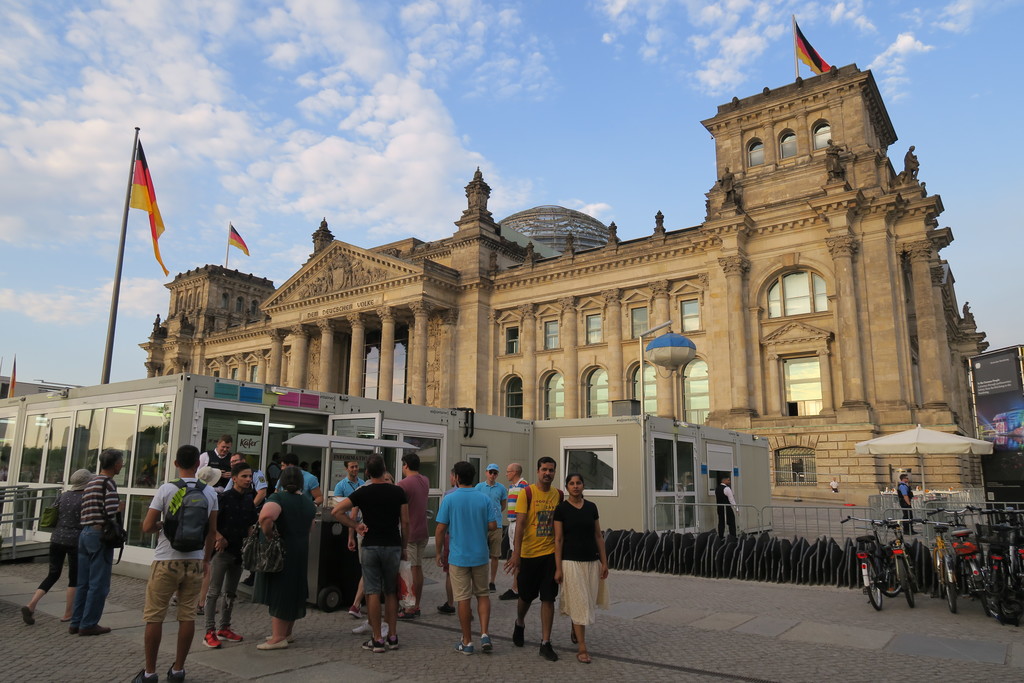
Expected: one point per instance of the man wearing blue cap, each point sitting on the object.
(499, 496)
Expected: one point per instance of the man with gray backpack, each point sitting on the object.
(183, 513)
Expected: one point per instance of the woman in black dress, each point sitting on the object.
(580, 561)
(285, 591)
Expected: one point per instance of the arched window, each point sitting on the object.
(224, 300)
(597, 393)
(696, 392)
(254, 308)
(755, 153)
(554, 396)
(787, 145)
(514, 397)
(795, 465)
(650, 387)
(822, 134)
(239, 305)
(796, 293)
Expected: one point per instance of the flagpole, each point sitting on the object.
(227, 247)
(108, 352)
(796, 59)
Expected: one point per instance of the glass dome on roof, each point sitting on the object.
(550, 225)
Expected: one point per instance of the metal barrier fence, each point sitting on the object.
(20, 510)
(811, 521)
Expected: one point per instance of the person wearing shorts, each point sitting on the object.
(385, 510)
(467, 516)
(498, 494)
(533, 555)
(174, 571)
(417, 490)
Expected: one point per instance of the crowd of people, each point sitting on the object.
(203, 517)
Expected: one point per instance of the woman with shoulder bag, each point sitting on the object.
(63, 543)
(285, 592)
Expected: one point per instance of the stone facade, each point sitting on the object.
(822, 312)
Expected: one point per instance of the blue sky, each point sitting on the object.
(374, 114)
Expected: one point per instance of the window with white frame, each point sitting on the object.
(512, 339)
(594, 330)
(797, 293)
(689, 312)
(551, 334)
(802, 377)
(595, 458)
(554, 396)
(637, 321)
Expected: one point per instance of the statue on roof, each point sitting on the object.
(833, 163)
(910, 164)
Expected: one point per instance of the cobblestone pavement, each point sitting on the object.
(659, 628)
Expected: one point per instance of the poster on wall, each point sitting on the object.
(999, 399)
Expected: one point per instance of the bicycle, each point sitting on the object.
(884, 566)
(1002, 597)
(944, 560)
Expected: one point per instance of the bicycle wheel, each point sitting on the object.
(890, 581)
(874, 590)
(948, 582)
(906, 580)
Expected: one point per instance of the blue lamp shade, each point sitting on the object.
(671, 350)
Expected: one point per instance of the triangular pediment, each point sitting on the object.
(338, 268)
(795, 333)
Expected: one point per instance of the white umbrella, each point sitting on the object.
(348, 442)
(921, 441)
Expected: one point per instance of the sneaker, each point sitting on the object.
(409, 613)
(517, 635)
(548, 652)
(354, 611)
(485, 644)
(180, 676)
(492, 588)
(362, 628)
(392, 642)
(463, 648)
(375, 646)
(141, 677)
(446, 609)
(228, 634)
(509, 595)
(210, 639)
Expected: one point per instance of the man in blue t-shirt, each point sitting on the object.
(467, 516)
(499, 495)
(345, 487)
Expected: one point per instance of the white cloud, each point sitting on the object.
(73, 306)
(891, 65)
(957, 16)
(851, 11)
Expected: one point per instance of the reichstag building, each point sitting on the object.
(814, 289)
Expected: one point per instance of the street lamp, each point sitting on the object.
(643, 362)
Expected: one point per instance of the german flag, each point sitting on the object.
(807, 54)
(144, 197)
(235, 240)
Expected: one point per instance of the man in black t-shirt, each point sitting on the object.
(385, 510)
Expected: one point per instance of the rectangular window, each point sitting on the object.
(803, 386)
(119, 432)
(551, 334)
(594, 331)
(595, 458)
(511, 340)
(151, 441)
(689, 311)
(7, 428)
(253, 372)
(638, 321)
(234, 373)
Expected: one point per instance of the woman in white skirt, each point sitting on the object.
(581, 564)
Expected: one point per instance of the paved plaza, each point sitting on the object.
(659, 628)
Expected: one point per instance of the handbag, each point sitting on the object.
(264, 554)
(48, 519)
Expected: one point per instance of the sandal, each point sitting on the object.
(583, 657)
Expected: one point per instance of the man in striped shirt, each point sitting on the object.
(95, 558)
(514, 472)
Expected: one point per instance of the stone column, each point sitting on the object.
(449, 369)
(775, 386)
(328, 371)
(263, 366)
(418, 354)
(928, 338)
(663, 384)
(528, 338)
(842, 250)
(297, 371)
(825, 369)
(613, 324)
(276, 352)
(771, 152)
(355, 354)
(803, 135)
(386, 377)
(571, 362)
(735, 269)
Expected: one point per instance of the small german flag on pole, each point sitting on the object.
(144, 197)
(234, 240)
(807, 54)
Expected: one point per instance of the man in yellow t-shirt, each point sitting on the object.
(533, 554)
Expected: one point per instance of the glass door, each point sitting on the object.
(359, 426)
(673, 479)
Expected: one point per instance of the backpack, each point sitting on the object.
(188, 517)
